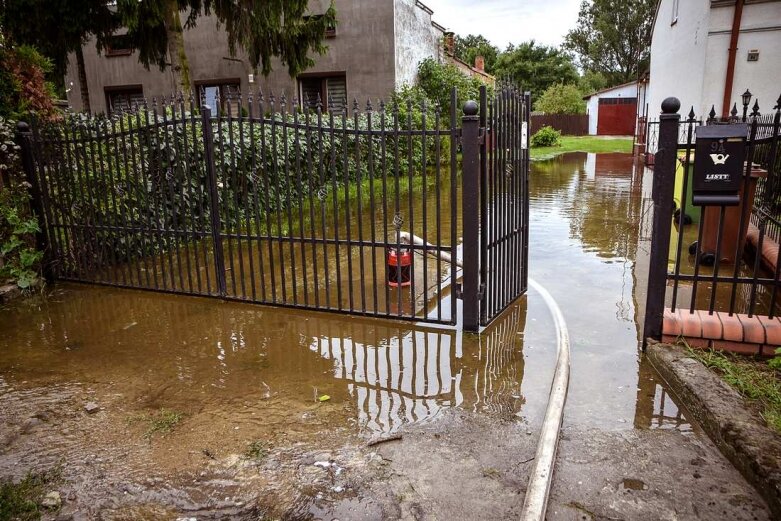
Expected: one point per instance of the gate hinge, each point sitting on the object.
(481, 291)
(481, 136)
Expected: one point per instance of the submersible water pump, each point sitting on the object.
(399, 267)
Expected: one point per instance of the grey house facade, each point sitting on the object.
(375, 48)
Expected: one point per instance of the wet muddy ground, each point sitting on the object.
(167, 407)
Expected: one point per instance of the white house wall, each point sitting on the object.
(415, 39)
(592, 106)
(689, 58)
(760, 29)
(678, 55)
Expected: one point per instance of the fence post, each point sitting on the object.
(662, 195)
(24, 140)
(483, 201)
(470, 148)
(214, 200)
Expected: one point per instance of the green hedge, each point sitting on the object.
(141, 170)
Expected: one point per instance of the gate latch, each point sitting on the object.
(460, 291)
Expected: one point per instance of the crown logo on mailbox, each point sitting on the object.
(719, 159)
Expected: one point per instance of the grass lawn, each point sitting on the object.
(583, 144)
(754, 379)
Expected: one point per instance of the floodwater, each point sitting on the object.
(304, 385)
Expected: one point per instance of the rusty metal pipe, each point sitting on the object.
(733, 49)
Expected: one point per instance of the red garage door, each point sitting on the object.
(616, 116)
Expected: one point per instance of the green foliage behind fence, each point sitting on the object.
(116, 177)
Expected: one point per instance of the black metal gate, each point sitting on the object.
(264, 200)
(496, 166)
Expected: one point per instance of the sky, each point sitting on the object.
(508, 21)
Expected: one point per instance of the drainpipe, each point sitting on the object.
(733, 49)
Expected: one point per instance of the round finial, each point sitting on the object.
(471, 108)
(671, 105)
(22, 126)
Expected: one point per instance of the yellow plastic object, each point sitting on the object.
(692, 211)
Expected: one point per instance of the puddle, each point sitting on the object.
(633, 484)
(587, 215)
(246, 376)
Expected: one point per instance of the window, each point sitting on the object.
(617, 101)
(119, 45)
(123, 99)
(222, 94)
(330, 31)
(674, 18)
(330, 90)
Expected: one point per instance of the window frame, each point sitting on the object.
(220, 83)
(112, 52)
(323, 78)
(127, 90)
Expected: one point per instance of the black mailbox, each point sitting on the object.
(718, 164)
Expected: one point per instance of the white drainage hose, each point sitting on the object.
(535, 503)
(414, 239)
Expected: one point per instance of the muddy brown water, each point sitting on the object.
(241, 374)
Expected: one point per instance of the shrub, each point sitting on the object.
(23, 92)
(437, 80)
(18, 256)
(154, 174)
(23, 88)
(547, 136)
(561, 99)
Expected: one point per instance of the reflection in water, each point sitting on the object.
(589, 248)
(411, 377)
(261, 369)
(230, 361)
(655, 407)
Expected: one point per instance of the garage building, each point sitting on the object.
(613, 111)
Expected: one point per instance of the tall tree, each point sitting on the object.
(613, 37)
(263, 29)
(467, 48)
(536, 67)
(561, 99)
(56, 28)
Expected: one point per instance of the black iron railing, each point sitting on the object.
(263, 200)
(702, 265)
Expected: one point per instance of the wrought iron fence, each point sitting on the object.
(703, 267)
(264, 200)
(261, 201)
(652, 135)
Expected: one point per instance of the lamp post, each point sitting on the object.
(746, 100)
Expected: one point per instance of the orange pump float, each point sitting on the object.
(399, 267)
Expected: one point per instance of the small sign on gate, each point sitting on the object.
(524, 138)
